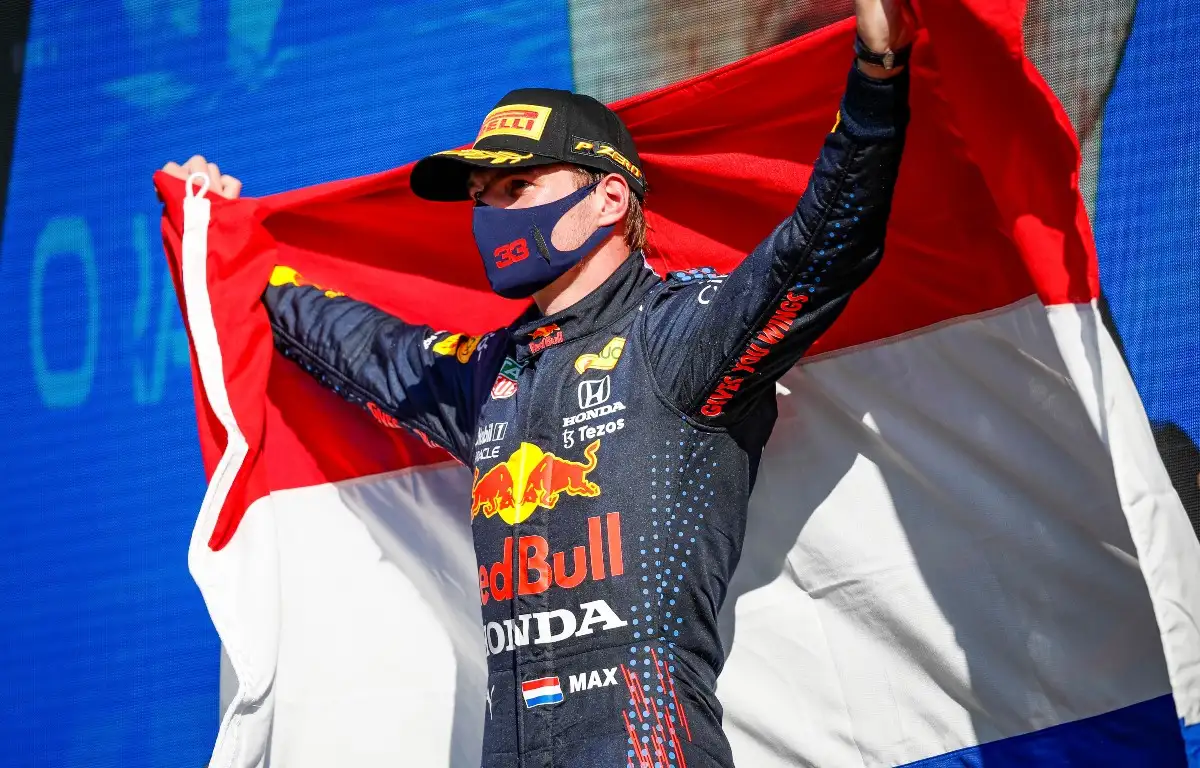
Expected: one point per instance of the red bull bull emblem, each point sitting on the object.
(458, 344)
(287, 276)
(546, 336)
(529, 479)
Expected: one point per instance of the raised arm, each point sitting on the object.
(411, 376)
(405, 375)
(750, 328)
(745, 330)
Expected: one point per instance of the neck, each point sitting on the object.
(584, 277)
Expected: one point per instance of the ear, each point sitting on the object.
(613, 192)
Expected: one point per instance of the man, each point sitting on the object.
(615, 429)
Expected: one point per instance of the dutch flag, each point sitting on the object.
(544, 690)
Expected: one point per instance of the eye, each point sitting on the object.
(515, 186)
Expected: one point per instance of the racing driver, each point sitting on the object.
(615, 429)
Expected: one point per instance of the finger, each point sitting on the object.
(231, 187)
(196, 164)
(214, 178)
(174, 169)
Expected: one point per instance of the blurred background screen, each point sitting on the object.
(108, 657)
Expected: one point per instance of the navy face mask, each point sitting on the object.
(515, 245)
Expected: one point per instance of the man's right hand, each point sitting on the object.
(222, 184)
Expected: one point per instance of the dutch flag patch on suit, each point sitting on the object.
(544, 690)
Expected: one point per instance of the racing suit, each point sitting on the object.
(614, 446)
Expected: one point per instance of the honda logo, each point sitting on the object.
(593, 392)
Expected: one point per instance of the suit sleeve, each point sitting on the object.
(759, 321)
(406, 375)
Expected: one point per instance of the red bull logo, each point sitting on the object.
(529, 479)
(287, 276)
(546, 336)
(458, 344)
(538, 569)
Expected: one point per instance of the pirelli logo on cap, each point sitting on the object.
(600, 149)
(525, 120)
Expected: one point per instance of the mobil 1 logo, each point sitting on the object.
(489, 433)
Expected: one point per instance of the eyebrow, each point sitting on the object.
(474, 187)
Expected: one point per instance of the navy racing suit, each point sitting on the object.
(614, 446)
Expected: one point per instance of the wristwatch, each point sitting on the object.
(889, 60)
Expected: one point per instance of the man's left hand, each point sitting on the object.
(884, 25)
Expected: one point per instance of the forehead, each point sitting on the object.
(482, 177)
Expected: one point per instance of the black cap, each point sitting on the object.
(535, 126)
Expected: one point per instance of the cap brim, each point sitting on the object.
(444, 177)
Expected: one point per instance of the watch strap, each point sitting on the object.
(889, 60)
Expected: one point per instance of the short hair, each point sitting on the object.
(635, 216)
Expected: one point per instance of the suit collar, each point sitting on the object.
(610, 301)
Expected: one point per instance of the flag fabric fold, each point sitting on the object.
(962, 547)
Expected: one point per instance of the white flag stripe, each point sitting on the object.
(1166, 543)
(937, 556)
(381, 658)
(240, 583)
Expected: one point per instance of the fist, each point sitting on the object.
(885, 25)
(222, 184)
